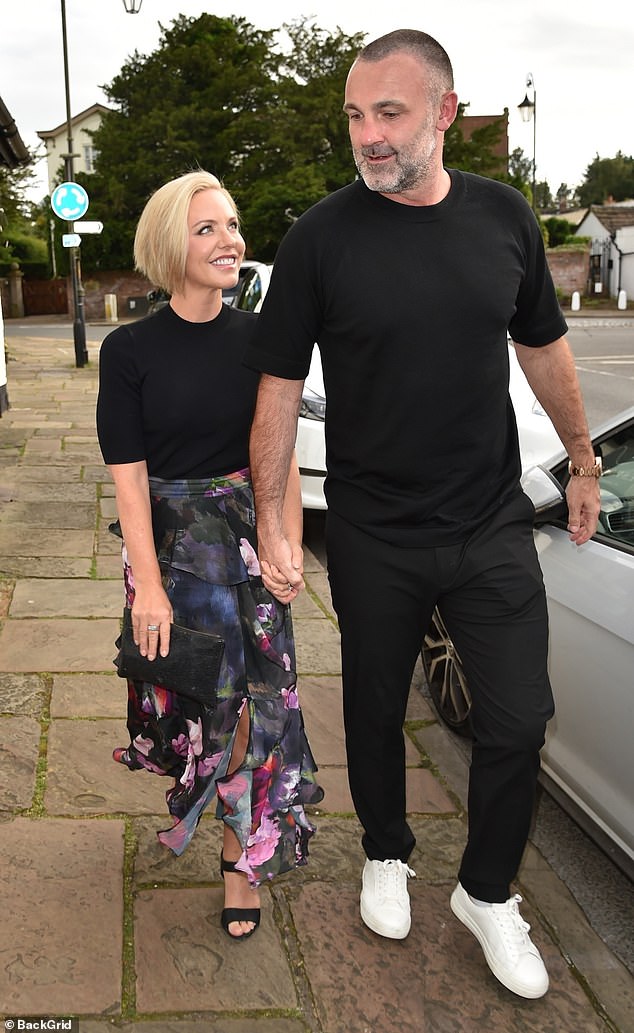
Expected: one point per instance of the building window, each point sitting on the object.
(90, 157)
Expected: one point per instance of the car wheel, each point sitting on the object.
(445, 677)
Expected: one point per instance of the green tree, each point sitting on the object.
(477, 154)
(608, 178)
(219, 94)
(199, 100)
(308, 151)
(21, 237)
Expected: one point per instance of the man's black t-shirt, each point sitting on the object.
(410, 307)
(176, 394)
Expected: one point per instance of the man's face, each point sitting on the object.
(393, 110)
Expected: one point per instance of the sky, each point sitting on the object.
(579, 55)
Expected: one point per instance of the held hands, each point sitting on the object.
(151, 621)
(584, 504)
(282, 566)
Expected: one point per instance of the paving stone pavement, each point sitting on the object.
(102, 923)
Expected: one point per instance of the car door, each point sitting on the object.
(589, 752)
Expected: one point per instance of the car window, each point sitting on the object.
(616, 520)
(250, 292)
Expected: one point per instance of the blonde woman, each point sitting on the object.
(173, 416)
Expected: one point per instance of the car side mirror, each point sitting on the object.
(546, 494)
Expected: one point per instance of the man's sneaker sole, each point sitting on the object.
(504, 978)
(390, 932)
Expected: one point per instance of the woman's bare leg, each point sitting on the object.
(238, 893)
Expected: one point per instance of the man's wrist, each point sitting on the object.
(586, 469)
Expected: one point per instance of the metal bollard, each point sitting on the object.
(110, 302)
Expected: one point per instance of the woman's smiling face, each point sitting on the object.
(215, 247)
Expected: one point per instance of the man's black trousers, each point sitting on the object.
(490, 593)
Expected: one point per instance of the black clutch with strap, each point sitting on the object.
(191, 668)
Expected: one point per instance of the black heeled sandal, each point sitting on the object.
(237, 914)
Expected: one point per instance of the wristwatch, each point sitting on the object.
(586, 471)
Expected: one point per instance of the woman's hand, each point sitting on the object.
(151, 622)
(277, 582)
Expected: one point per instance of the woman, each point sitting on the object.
(173, 416)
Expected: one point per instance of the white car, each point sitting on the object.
(587, 760)
(310, 446)
(538, 439)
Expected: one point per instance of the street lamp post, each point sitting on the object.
(79, 324)
(528, 111)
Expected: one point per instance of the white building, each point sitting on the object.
(56, 142)
(611, 229)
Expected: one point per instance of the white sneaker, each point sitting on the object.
(503, 935)
(384, 898)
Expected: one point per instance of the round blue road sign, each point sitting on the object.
(69, 201)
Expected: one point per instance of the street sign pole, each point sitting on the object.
(79, 324)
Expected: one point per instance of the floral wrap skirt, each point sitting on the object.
(204, 533)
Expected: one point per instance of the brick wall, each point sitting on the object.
(569, 270)
(125, 285)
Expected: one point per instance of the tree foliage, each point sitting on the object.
(219, 94)
(608, 178)
(477, 153)
(260, 109)
(21, 239)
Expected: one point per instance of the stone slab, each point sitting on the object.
(305, 606)
(65, 597)
(184, 960)
(251, 1024)
(108, 544)
(607, 978)
(335, 853)
(24, 541)
(45, 566)
(65, 492)
(156, 865)
(311, 563)
(437, 743)
(425, 794)
(57, 645)
(319, 586)
(61, 888)
(439, 847)
(435, 981)
(52, 428)
(419, 707)
(19, 751)
(320, 700)
(109, 567)
(60, 514)
(22, 694)
(108, 508)
(6, 593)
(83, 779)
(317, 645)
(89, 695)
(337, 798)
(52, 473)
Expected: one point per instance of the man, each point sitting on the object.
(408, 279)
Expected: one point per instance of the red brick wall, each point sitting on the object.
(569, 270)
(124, 284)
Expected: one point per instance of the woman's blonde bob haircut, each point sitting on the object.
(161, 239)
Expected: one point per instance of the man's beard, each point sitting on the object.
(411, 167)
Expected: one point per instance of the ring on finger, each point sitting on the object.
(153, 627)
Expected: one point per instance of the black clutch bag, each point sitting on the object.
(191, 668)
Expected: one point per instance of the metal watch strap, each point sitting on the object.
(586, 471)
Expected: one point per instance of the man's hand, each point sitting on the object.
(584, 504)
(282, 565)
